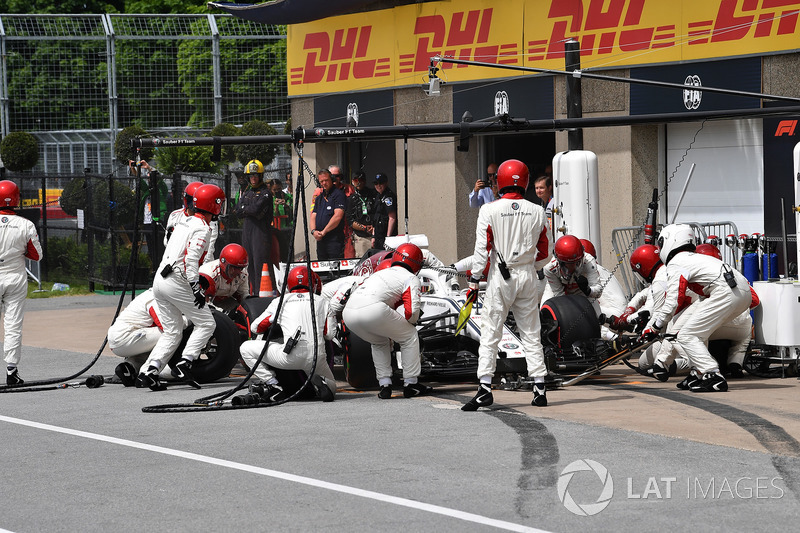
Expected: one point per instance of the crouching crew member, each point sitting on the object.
(18, 241)
(510, 246)
(727, 295)
(229, 276)
(386, 307)
(296, 351)
(179, 291)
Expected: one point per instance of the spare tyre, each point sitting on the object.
(567, 319)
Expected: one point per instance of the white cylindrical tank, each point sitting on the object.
(796, 177)
(577, 196)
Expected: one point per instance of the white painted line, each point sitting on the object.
(403, 502)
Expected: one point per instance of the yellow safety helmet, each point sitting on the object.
(254, 167)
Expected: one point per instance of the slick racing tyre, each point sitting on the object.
(567, 319)
(359, 370)
(220, 353)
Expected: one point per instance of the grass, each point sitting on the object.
(75, 289)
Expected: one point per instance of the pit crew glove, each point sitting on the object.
(622, 320)
(474, 283)
(583, 285)
(650, 332)
(199, 294)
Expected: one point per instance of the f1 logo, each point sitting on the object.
(787, 127)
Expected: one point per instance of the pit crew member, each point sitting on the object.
(510, 245)
(296, 322)
(386, 307)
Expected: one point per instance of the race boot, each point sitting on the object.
(151, 380)
(710, 382)
(662, 374)
(735, 370)
(183, 373)
(483, 398)
(12, 377)
(416, 389)
(689, 380)
(273, 394)
(126, 374)
(321, 389)
(385, 393)
(539, 395)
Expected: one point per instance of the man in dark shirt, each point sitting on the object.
(385, 214)
(255, 209)
(327, 219)
(360, 207)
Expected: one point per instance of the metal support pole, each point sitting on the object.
(572, 57)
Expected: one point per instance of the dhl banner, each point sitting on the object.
(393, 47)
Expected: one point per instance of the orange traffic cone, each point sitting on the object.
(266, 288)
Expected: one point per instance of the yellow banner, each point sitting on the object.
(393, 47)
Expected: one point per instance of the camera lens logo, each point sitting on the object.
(586, 509)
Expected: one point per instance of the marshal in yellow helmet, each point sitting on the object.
(254, 167)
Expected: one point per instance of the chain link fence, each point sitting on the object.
(74, 81)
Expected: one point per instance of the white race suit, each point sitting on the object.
(18, 240)
(295, 313)
(383, 308)
(704, 275)
(511, 230)
(182, 258)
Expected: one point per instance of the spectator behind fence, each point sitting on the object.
(360, 208)
(485, 188)
(340, 181)
(255, 210)
(327, 218)
(282, 217)
(385, 214)
(152, 184)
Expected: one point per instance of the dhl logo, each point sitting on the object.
(611, 26)
(344, 55)
(340, 58)
(785, 127)
(464, 36)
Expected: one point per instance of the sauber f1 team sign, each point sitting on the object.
(393, 47)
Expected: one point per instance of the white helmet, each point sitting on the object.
(673, 237)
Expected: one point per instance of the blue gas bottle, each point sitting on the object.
(750, 267)
(769, 266)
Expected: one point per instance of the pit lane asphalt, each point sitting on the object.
(89, 459)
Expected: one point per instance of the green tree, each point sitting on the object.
(263, 152)
(225, 129)
(19, 151)
(186, 158)
(122, 146)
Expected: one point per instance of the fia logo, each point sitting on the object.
(352, 115)
(692, 97)
(501, 103)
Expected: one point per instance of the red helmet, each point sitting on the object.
(383, 265)
(188, 193)
(409, 255)
(512, 173)
(232, 256)
(588, 247)
(9, 194)
(299, 282)
(208, 199)
(646, 262)
(708, 249)
(569, 252)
